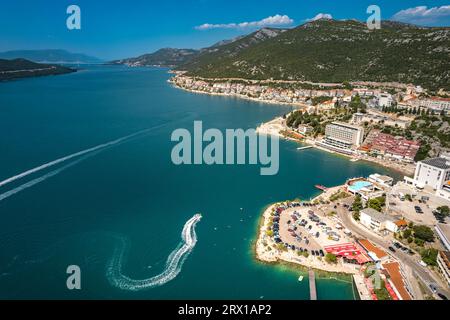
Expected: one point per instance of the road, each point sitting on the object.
(423, 273)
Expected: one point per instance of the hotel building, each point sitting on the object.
(342, 137)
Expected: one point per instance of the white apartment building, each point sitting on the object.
(436, 104)
(435, 173)
(343, 136)
(443, 261)
(377, 221)
(385, 100)
(303, 129)
(443, 232)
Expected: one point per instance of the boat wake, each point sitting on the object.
(74, 155)
(174, 262)
(40, 179)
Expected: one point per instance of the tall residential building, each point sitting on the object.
(443, 261)
(443, 232)
(434, 172)
(342, 135)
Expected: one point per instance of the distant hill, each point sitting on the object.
(167, 57)
(49, 56)
(334, 51)
(171, 57)
(22, 68)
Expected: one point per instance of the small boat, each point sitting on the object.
(300, 278)
(320, 187)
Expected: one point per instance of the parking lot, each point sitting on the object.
(303, 228)
(419, 210)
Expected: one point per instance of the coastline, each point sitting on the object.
(289, 258)
(275, 126)
(239, 96)
(321, 273)
(402, 169)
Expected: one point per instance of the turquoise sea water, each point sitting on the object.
(132, 193)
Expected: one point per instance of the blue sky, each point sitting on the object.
(118, 28)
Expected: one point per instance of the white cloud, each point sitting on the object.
(423, 15)
(276, 20)
(321, 16)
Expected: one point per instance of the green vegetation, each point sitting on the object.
(21, 68)
(433, 132)
(429, 256)
(356, 207)
(318, 100)
(330, 258)
(423, 233)
(377, 203)
(356, 105)
(339, 195)
(382, 293)
(333, 51)
(444, 210)
(417, 234)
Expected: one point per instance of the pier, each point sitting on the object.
(304, 148)
(312, 285)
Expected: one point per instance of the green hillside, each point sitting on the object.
(336, 51)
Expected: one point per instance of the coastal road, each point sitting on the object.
(423, 273)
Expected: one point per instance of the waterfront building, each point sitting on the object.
(443, 232)
(377, 221)
(342, 137)
(443, 262)
(385, 181)
(397, 280)
(387, 146)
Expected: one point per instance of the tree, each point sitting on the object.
(357, 204)
(407, 233)
(376, 203)
(444, 210)
(429, 256)
(330, 258)
(423, 233)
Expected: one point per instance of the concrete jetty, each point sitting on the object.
(312, 285)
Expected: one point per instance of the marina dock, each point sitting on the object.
(312, 285)
(304, 148)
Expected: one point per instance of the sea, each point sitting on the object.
(121, 213)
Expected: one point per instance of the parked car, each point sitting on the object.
(392, 249)
(433, 287)
(443, 297)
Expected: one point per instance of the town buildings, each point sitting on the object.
(378, 221)
(359, 118)
(435, 104)
(389, 147)
(443, 262)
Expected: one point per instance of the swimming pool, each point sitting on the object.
(358, 185)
